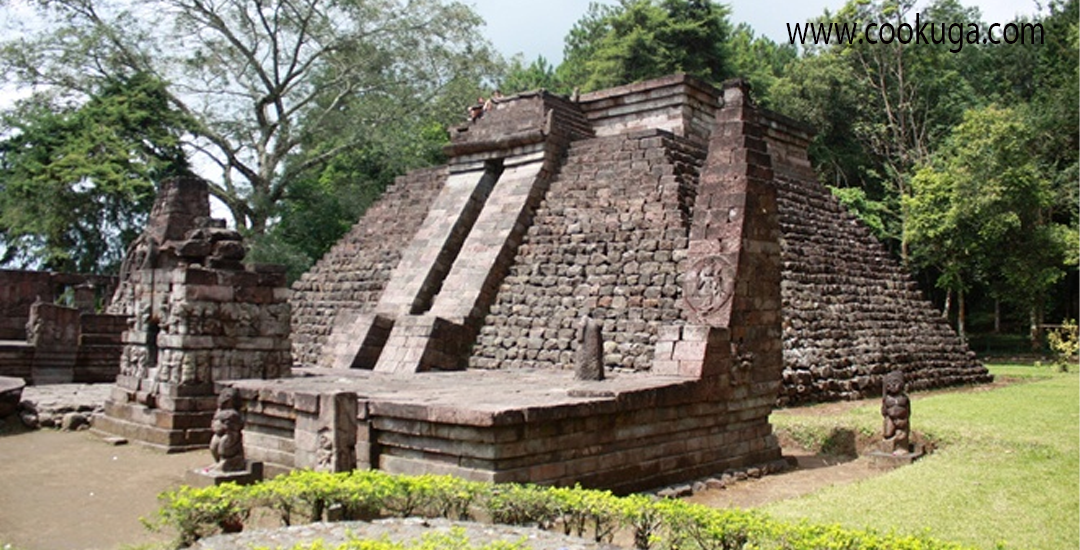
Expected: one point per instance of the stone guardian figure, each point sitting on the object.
(896, 410)
(589, 359)
(227, 443)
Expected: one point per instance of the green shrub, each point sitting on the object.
(1065, 342)
(196, 513)
(366, 494)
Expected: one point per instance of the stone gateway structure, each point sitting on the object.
(197, 317)
(442, 333)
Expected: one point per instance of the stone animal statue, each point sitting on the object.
(896, 410)
(589, 359)
(227, 443)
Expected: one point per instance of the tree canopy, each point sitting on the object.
(260, 80)
(76, 183)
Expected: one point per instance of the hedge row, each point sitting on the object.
(661, 524)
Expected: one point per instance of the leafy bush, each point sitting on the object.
(1065, 342)
(196, 513)
(656, 524)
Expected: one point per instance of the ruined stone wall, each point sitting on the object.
(608, 240)
(352, 276)
(851, 312)
(20, 289)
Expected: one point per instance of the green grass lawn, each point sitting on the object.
(1006, 471)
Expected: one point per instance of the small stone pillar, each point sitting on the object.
(589, 358)
(326, 431)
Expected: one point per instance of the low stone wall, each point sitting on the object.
(65, 346)
(100, 347)
(627, 433)
(20, 289)
(680, 104)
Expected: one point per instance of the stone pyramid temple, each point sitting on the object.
(614, 290)
(588, 207)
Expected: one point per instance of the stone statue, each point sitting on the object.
(227, 443)
(896, 408)
(589, 359)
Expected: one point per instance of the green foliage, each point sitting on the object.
(538, 74)
(274, 90)
(759, 60)
(661, 524)
(76, 183)
(197, 513)
(982, 210)
(1065, 342)
(642, 39)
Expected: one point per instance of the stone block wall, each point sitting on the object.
(451, 268)
(350, 278)
(100, 348)
(632, 442)
(65, 345)
(851, 311)
(680, 104)
(609, 239)
(20, 289)
(199, 316)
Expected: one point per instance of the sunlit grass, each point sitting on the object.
(1007, 470)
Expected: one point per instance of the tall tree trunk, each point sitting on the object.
(997, 316)
(1035, 318)
(948, 304)
(961, 316)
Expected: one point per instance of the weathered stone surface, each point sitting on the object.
(677, 230)
(197, 319)
(73, 421)
(896, 410)
(589, 358)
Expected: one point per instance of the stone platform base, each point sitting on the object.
(176, 440)
(206, 477)
(627, 433)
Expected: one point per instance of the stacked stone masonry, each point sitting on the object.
(610, 239)
(607, 241)
(50, 331)
(352, 276)
(198, 317)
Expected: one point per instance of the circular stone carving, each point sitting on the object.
(708, 285)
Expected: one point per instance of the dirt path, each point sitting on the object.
(73, 491)
(812, 474)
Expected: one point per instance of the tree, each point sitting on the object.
(260, 79)
(759, 60)
(76, 183)
(982, 210)
(642, 39)
(916, 90)
(538, 74)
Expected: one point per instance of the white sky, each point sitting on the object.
(535, 28)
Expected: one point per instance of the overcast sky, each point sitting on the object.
(534, 28)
